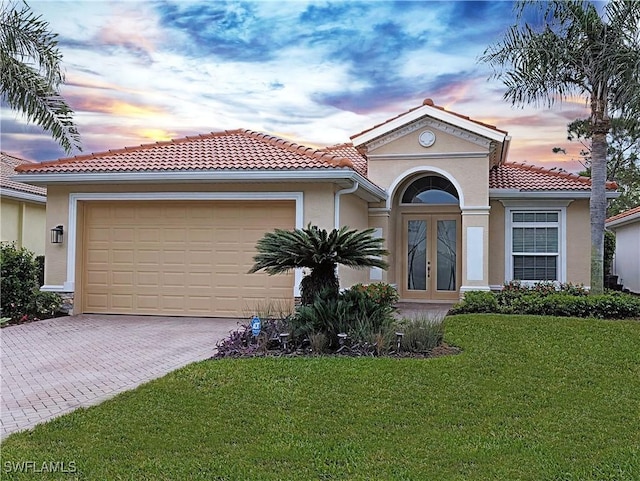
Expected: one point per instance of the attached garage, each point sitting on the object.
(179, 258)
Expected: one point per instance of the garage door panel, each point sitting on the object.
(180, 258)
(122, 301)
(148, 301)
(174, 279)
(122, 278)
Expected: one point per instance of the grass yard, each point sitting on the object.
(530, 398)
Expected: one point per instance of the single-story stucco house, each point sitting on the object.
(170, 228)
(626, 261)
(22, 208)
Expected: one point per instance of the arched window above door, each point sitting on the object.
(431, 189)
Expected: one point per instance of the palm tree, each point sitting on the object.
(321, 251)
(577, 52)
(30, 73)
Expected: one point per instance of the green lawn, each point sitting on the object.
(530, 398)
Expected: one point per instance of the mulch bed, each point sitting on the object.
(443, 349)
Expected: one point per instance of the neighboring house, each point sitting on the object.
(22, 208)
(170, 228)
(626, 262)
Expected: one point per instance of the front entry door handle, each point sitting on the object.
(428, 269)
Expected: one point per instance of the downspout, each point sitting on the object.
(336, 203)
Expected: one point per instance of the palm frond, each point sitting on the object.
(312, 247)
(30, 73)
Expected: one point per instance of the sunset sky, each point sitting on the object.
(311, 72)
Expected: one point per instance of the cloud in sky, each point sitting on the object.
(315, 72)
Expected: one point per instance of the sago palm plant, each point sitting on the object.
(321, 252)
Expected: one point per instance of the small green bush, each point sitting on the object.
(609, 250)
(567, 300)
(476, 301)
(379, 292)
(21, 299)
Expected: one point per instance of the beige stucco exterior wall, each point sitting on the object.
(626, 263)
(318, 202)
(23, 223)
(579, 242)
(470, 172)
(496, 244)
(354, 214)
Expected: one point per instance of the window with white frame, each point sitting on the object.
(535, 238)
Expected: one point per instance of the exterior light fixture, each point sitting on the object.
(57, 234)
(399, 336)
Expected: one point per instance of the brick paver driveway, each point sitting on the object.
(55, 366)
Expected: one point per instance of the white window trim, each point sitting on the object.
(562, 240)
(74, 198)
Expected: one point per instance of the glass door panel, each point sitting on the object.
(446, 264)
(417, 255)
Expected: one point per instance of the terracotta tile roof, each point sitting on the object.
(9, 163)
(525, 177)
(430, 103)
(348, 151)
(227, 150)
(626, 213)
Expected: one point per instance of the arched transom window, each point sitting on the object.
(430, 190)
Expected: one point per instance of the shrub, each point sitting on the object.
(476, 301)
(379, 292)
(40, 261)
(609, 250)
(614, 306)
(354, 312)
(421, 333)
(567, 300)
(325, 315)
(21, 299)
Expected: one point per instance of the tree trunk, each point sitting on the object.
(598, 202)
(321, 278)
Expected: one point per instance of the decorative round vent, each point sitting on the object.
(427, 138)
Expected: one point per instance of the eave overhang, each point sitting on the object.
(498, 194)
(623, 220)
(22, 196)
(343, 177)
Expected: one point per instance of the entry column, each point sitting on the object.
(475, 249)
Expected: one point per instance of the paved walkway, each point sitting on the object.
(429, 310)
(52, 367)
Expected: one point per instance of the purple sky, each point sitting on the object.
(311, 72)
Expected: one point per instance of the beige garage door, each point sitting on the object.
(180, 258)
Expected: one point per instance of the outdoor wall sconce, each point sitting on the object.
(57, 235)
